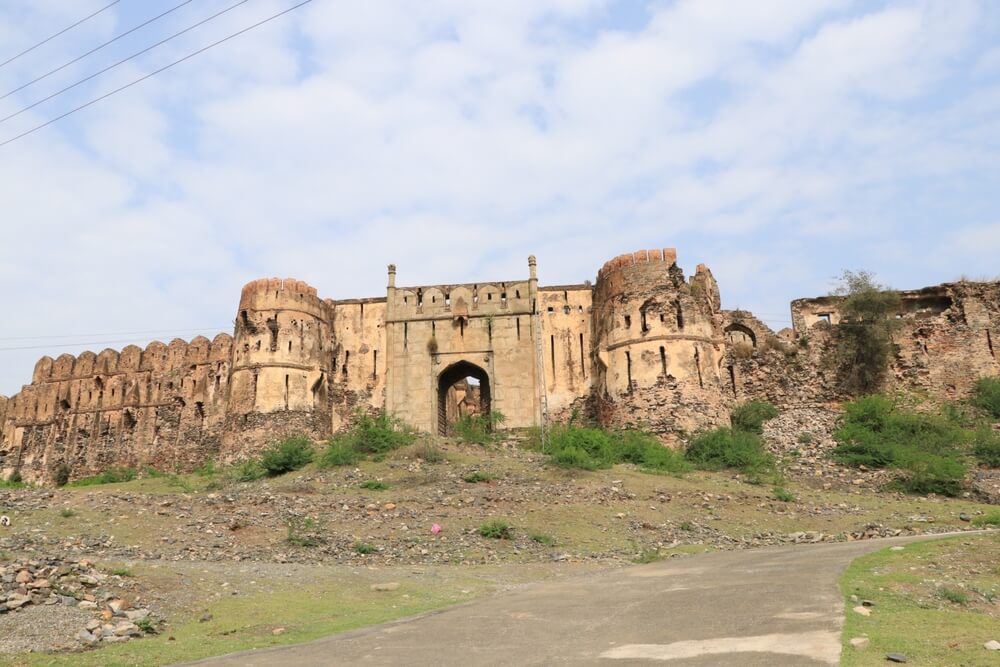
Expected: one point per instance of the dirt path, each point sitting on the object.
(778, 606)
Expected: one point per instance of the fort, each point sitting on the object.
(643, 346)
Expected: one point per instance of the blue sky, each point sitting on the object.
(778, 141)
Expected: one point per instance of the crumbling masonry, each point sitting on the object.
(643, 347)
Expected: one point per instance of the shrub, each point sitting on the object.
(206, 469)
(111, 476)
(379, 434)
(580, 447)
(953, 596)
(497, 530)
(249, 471)
(805, 438)
(543, 539)
(67, 513)
(476, 477)
(648, 556)
(989, 519)
(687, 526)
(986, 396)
(429, 453)
(751, 416)
(121, 572)
(863, 337)
(478, 429)
(374, 485)
(338, 452)
(364, 548)
(783, 495)
(61, 474)
(728, 448)
(15, 477)
(286, 456)
(645, 451)
(303, 532)
(742, 350)
(146, 625)
(876, 434)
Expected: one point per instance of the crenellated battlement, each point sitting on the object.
(665, 255)
(283, 294)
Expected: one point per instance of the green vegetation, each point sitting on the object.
(371, 435)
(338, 452)
(111, 476)
(288, 455)
(373, 485)
(589, 448)
(728, 448)
(476, 477)
(61, 474)
(953, 595)
(147, 626)
(364, 548)
(648, 556)
(67, 513)
(429, 453)
(206, 469)
(863, 337)
(784, 495)
(249, 471)
(986, 396)
(932, 602)
(687, 526)
(304, 532)
(13, 482)
(926, 448)
(986, 446)
(121, 572)
(497, 529)
(990, 519)
(478, 429)
(750, 416)
(543, 539)
(805, 438)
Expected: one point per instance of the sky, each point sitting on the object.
(777, 141)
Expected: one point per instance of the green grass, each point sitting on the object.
(988, 519)
(731, 448)
(112, 476)
(497, 530)
(428, 453)
(288, 455)
(338, 452)
(363, 548)
(543, 539)
(121, 571)
(783, 495)
(930, 624)
(986, 396)
(648, 556)
(304, 532)
(478, 429)
(373, 485)
(589, 448)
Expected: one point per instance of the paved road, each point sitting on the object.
(768, 607)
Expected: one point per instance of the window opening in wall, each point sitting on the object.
(374, 364)
(823, 317)
(680, 314)
(362, 309)
(732, 379)
(128, 420)
(663, 360)
(447, 299)
(661, 318)
(347, 357)
(580, 307)
(989, 344)
(583, 367)
(489, 296)
(90, 395)
(642, 321)
(218, 379)
(434, 299)
(552, 348)
(517, 294)
(286, 392)
(461, 327)
(489, 328)
(517, 322)
(272, 325)
(433, 328)
(551, 309)
(112, 392)
(566, 309)
(565, 295)
(405, 300)
(289, 346)
(100, 381)
(199, 409)
(697, 364)
(64, 404)
(534, 305)
(406, 334)
(420, 298)
(628, 321)
(503, 299)
(628, 370)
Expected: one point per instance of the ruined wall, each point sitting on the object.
(566, 313)
(163, 406)
(280, 366)
(644, 347)
(659, 345)
(359, 367)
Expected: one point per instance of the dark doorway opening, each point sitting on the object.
(463, 390)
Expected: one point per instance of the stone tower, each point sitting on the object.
(280, 365)
(658, 344)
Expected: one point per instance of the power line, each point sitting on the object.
(112, 333)
(83, 344)
(96, 49)
(64, 30)
(154, 73)
(120, 62)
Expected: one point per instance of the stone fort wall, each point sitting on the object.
(644, 346)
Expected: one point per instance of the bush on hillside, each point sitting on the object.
(986, 396)
(730, 448)
(288, 455)
(751, 416)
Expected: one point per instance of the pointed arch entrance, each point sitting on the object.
(474, 376)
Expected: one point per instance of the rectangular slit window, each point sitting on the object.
(374, 364)
(552, 347)
(347, 357)
(663, 361)
(628, 370)
(406, 333)
(628, 321)
(517, 321)
(583, 367)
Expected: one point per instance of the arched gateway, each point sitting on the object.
(452, 375)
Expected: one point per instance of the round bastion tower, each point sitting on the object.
(280, 366)
(658, 344)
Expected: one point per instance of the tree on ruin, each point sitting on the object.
(863, 338)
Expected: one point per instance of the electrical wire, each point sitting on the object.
(64, 30)
(121, 62)
(95, 49)
(154, 73)
(83, 344)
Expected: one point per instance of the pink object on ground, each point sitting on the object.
(435, 529)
